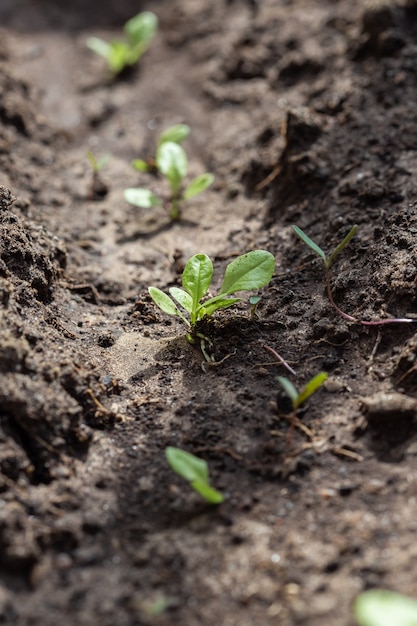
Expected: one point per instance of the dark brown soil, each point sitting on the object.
(306, 114)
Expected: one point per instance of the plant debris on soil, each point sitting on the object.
(305, 113)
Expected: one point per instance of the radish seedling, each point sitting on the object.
(172, 163)
(327, 262)
(119, 54)
(299, 397)
(249, 271)
(195, 471)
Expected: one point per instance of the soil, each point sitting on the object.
(305, 113)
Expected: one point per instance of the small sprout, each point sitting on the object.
(379, 607)
(98, 189)
(298, 398)
(249, 271)
(119, 54)
(195, 471)
(170, 161)
(254, 301)
(328, 262)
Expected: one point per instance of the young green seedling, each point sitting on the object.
(249, 271)
(327, 263)
(98, 189)
(175, 134)
(119, 54)
(299, 397)
(195, 471)
(378, 607)
(172, 163)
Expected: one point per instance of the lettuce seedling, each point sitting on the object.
(119, 54)
(327, 263)
(195, 471)
(378, 607)
(176, 134)
(249, 271)
(171, 161)
(299, 397)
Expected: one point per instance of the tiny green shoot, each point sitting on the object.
(379, 607)
(98, 189)
(299, 397)
(247, 272)
(195, 471)
(328, 262)
(119, 54)
(171, 161)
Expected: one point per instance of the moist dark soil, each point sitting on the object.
(305, 112)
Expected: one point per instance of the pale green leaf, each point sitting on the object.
(140, 165)
(187, 465)
(249, 271)
(310, 388)
(378, 607)
(199, 184)
(171, 161)
(164, 302)
(175, 134)
(141, 28)
(289, 389)
(182, 297)
(99, 46)
(210, 495)
(309, 242)
(215, 304)
(141, 197)
(118, 57)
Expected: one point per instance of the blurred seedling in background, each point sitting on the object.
(195, 471)
(328, 262)
(98, 189)
(123, 53)
(247, 272)
(175, 134)
(299, 397)
(379, 607)
(170, 161)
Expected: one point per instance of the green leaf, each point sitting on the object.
(310, 388)
(118, 57)
(141, 28)
(215, 304)
(385, 608)
(171, 161)
(196, 279)
(140, 165)
(309, 242)
(141, 197)
(175, 134)
(195, 471)
(165, 303)
(289, 389)
(342, 245)
(99, 46)
(199, 184)
(182, 297)
(249, 271)
(187, 465)
(209, 494)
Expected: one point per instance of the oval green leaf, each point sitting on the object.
(289, 389)
(378, 607)
(187, 465)
(140, 165)
(249, 271)
(171, 161)
(141, 28)
(196, 277)
(210, 495)
(99, 46)
(309, 242)
(311, 387)
(141, 197)
(199, 184)
(165, 303)
(176, 134)
(182, 297)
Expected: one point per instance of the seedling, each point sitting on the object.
(379, 607)
(299, 397)
(249, 271)
(175, 134)
(172, 163)
(119, 54)
(98, 189)
(328, 262)
(195, 471)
